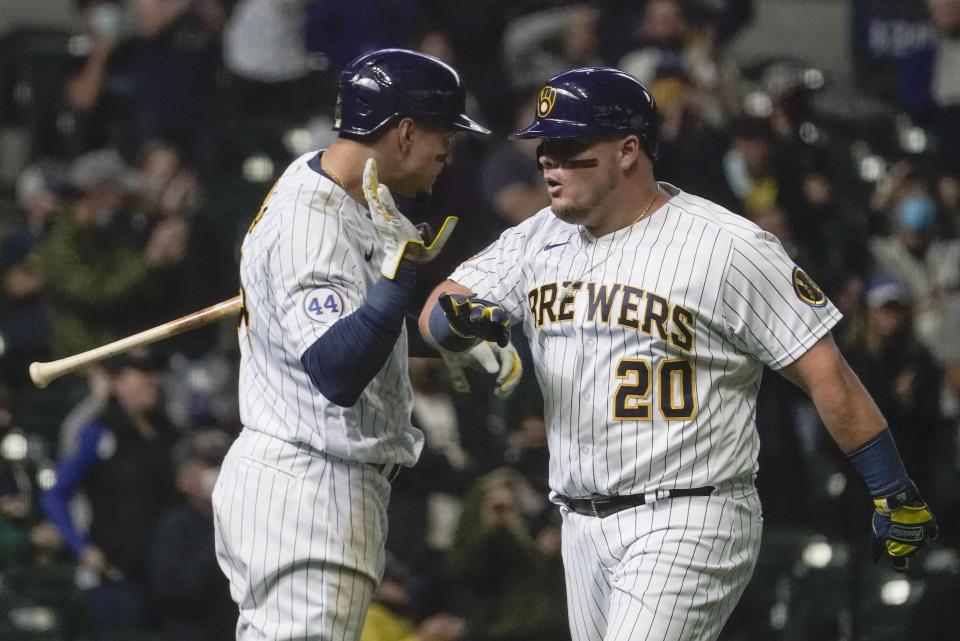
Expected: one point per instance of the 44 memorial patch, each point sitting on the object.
(807, 290)
(323, 304)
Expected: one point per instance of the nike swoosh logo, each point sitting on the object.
(550, 246)
(368, 255)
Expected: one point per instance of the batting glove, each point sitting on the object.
(902, 524)
(488, 357)
(476, 318)
(401, 238)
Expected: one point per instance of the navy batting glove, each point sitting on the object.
(474, 317)
(902, 524)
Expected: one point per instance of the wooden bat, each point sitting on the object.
(42, 373)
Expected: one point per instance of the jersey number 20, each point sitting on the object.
(675, 391)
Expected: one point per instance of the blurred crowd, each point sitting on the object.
(138, 146)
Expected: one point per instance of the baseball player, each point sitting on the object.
(327, 268)
(650, 314)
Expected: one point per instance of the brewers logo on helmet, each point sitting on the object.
(592, 102)
(548, 96)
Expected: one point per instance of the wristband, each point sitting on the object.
(879, 465)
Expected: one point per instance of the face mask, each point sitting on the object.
(917, 213)
(107, 20)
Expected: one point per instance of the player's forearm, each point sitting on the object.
(343, 361)
(448, 287)
(848, 412)
(852, 418)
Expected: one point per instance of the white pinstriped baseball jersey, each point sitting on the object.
(299, 512)
(650, 368)
(309, 258)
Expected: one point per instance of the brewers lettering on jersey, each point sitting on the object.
(650, 314)
(327, 269)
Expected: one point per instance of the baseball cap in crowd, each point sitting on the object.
(103, 166)
(44, 176)
(885, 291)
(917, 213)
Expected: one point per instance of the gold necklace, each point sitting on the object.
(646, 209)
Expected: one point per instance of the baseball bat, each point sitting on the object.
(43, 373)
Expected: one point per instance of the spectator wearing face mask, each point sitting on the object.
(915, 254)
(192, 593)
(96, 279)
(38, 194)
(98, 94)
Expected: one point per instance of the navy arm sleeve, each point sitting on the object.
(70, 473)
(343, 361)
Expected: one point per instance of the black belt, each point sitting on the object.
(603, 506)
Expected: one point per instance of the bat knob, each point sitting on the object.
(36, 375)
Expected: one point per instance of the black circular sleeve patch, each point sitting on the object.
(807, 290)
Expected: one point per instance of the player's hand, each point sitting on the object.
(402, 239)
(488, 357)
(476, 318)
(902, 524)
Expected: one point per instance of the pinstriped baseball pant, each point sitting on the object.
(301, 538)
(672, 570)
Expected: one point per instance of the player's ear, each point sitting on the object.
(405, 133)
(630, 151)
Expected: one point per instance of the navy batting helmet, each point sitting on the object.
(379, 87)
(595, 101)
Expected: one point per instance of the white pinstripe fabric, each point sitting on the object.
(301, 537)
(668, 571)
(737, 282)
(300, 511)
(314, 235)
(672, 570)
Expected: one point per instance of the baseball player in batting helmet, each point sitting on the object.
(651, 313)
(595, 102)
(327, 269)
(379, 87)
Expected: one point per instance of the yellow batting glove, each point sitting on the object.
(902, 524)
(401, 238)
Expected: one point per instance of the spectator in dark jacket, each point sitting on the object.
(193, 595)
(507, 554)
(122, 464)
(902, 375)
(99, 282)
(24, 318)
